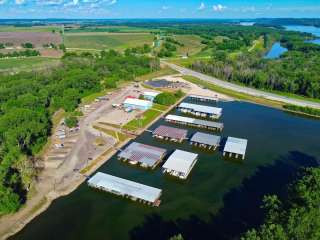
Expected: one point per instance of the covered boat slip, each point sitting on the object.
(145, 155)
(194, 122)
(205, 140)
(170, 133)
(200, 110)
(236, 146)
(126, 188)
(203, 98)
(180, 164)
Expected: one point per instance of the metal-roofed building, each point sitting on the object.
(170, 133)
(194, 122)
(135, 103)
(150, 95)
(126, 188)
(145, 155)
(235, 146)
(203, 98)
(180, 164)
(200, 110)
(205, 140)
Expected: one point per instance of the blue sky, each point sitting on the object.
(158, 8)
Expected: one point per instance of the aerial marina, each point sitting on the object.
(179, 163)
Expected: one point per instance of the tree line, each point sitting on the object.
(29, 99)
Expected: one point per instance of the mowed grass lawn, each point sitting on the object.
(102, 41)
(147, 117)
(26, 63)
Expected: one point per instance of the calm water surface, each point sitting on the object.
(220, 199)
(276, 51)
(308, 29)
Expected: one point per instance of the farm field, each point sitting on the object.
(110, 29)
(25, 64)
(29, 29)
(102, 41)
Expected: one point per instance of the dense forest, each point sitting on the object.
(28, 101)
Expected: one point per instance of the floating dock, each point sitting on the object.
(128, 189)
(236, 147)
(170, 133)
(200, 110)
(203, 98)
(141, 154)
(205, 140)
(194, 122)
(180, 164)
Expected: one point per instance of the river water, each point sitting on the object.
(220, 199)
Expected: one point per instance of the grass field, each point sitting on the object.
(29, 29)
(147, 117)
(115, 29)
(26, 64)
(192, 44)
(101, 41)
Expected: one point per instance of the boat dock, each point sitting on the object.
(170, 134)
(203, 98)
(205, 140)
(200, 110)
(125, 188)
(236, 147)
(143, 155)
(194, 122)
(180, 164)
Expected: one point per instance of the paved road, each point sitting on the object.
(241, 89)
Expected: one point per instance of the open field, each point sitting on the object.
(6, 28)
(26, 64)
(101, 41)
(111, 29)
(38, 39)
(192, 44)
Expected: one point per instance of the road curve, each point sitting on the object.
(241, 89)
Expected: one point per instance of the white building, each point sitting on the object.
(135, 103)
(150, 95)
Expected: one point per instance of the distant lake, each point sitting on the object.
(276, 51)
(307, 29)
(279, 144)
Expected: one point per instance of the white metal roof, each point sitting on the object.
(152, 94)
(201, 108)
(204, 97)
(138, 102)
(123, 186)
(180, 161)
(205, 138)
(236, 145)
(194, 121)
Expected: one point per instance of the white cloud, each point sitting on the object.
(50, 2)
(2, 1)
(218, 8)
(202, 6)
(164, 8)
(112, 2)
(19, 2)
